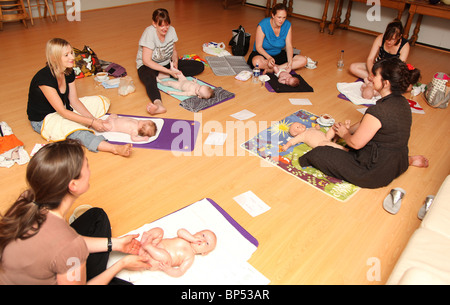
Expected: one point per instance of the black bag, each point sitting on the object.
(240, 42)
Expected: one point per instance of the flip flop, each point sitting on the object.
(425, 207)
(393, 200)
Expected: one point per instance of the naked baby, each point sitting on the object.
(186, 87)
(139, 130)
(175, 256)
(312, 137)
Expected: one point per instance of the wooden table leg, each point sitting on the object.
(415, 35)
(324, 16)
(334, 17)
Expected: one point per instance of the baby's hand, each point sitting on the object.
(286, 146)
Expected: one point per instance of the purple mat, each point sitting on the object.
(176, 135)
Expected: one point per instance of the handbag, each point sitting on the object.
(86, 62)
(240, 42)
(435, 92)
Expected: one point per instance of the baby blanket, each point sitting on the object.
(225, 265)
(352, 91)
(56, 128)
(274, 86)
(194, 103)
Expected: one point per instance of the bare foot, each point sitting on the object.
(123, 150)
(156, 107)
(418, 161)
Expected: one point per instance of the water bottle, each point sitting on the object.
(340, 63)
(256, 73)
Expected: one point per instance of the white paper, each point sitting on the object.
(300, 101)
(243, 115)
(216, 138)
(251, 203)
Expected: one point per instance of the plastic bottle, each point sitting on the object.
(256, 73)
(340, 63)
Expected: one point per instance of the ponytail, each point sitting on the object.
(49, 173)
(22, 220)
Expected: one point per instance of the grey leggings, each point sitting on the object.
(87, 138)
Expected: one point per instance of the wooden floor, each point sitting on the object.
(306, 237)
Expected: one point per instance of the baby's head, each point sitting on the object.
(147, 128)
(205, 92)
(296, 128)
(207, 245)
(293, 81)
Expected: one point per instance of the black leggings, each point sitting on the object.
(148, 76)
(95, 223)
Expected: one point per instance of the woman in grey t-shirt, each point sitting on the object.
(156, 51)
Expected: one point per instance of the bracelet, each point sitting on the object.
(109, 244)
(91, 123)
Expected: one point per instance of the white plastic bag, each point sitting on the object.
(214, 48)
(126, 86)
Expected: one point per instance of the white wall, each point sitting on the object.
(433, 31)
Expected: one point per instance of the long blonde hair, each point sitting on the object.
(54, 52)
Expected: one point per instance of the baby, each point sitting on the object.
(139, 130)
(367, 90)
(175, 255)
(312, 137)
(187, 87)
(286, 78)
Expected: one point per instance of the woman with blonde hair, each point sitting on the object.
(53, 89)
(37, 246)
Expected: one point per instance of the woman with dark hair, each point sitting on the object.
(38, 247)
(273, 43)
(378, 144)
(156, 52)
(387, 45)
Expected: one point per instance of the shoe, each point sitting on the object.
(393, 200)
(425, 207)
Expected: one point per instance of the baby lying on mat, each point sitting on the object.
(286, 78)
(139, 130)
(187, 87)
(175, 255)
(312, 137)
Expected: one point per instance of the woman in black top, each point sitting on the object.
(53, 89)
(379, 142)
(389, 44)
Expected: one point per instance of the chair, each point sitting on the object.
(271, 3)
(12, 11)
(38, 5)
(54, 7)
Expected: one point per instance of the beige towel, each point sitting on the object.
(56, 128)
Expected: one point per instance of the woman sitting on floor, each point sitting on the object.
(379, 142)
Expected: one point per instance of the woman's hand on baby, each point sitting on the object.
(341, 129)
(127, 244)
(99, 125)
(135, 263)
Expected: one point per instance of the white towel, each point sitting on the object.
(353, 92)
(126, 138)
(227, 264)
